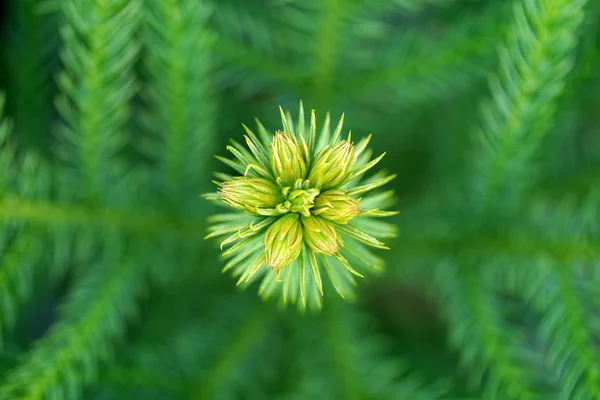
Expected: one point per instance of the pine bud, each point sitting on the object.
(287, 159)
(332, 166)
(248, 194)
(336, 206)
(304, 192)
(320, 235)
(283, 241)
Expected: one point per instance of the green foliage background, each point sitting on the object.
(113, 110)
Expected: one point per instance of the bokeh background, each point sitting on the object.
(113, 112)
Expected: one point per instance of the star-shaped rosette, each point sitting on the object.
(304, 213)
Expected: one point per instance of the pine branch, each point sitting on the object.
(406, 6)
(97, 83)
(569, 153)
(463, 52)
(343, 359)
(534, 62)
(327, 36)
(238, 21)
(163, 358)
(419, 65)
(208, 350)
(525, 284)
(548, 226)
(554, 290)
(21, 251)
(30, 55)
(571, 339)
(497, 363)
(22, 246)
(180, 111)
(563, 298)
(236, 55)
(51, 214)
(357, 354)
(92, 319)
(254, 48)
(119, 383)
(224, 369)
(6, 149)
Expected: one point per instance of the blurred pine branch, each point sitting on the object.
(108, 290)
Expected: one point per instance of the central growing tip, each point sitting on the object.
(299, 199)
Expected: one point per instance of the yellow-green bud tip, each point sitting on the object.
(287, 160)
(321, 236)
(336, 206)
(332, 165)
(283, 241)
(248, 194)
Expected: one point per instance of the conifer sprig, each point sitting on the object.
(31, 57)
(94, 316)
(534, 62)
(179, 105)
(299, 213)
(97, 84)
